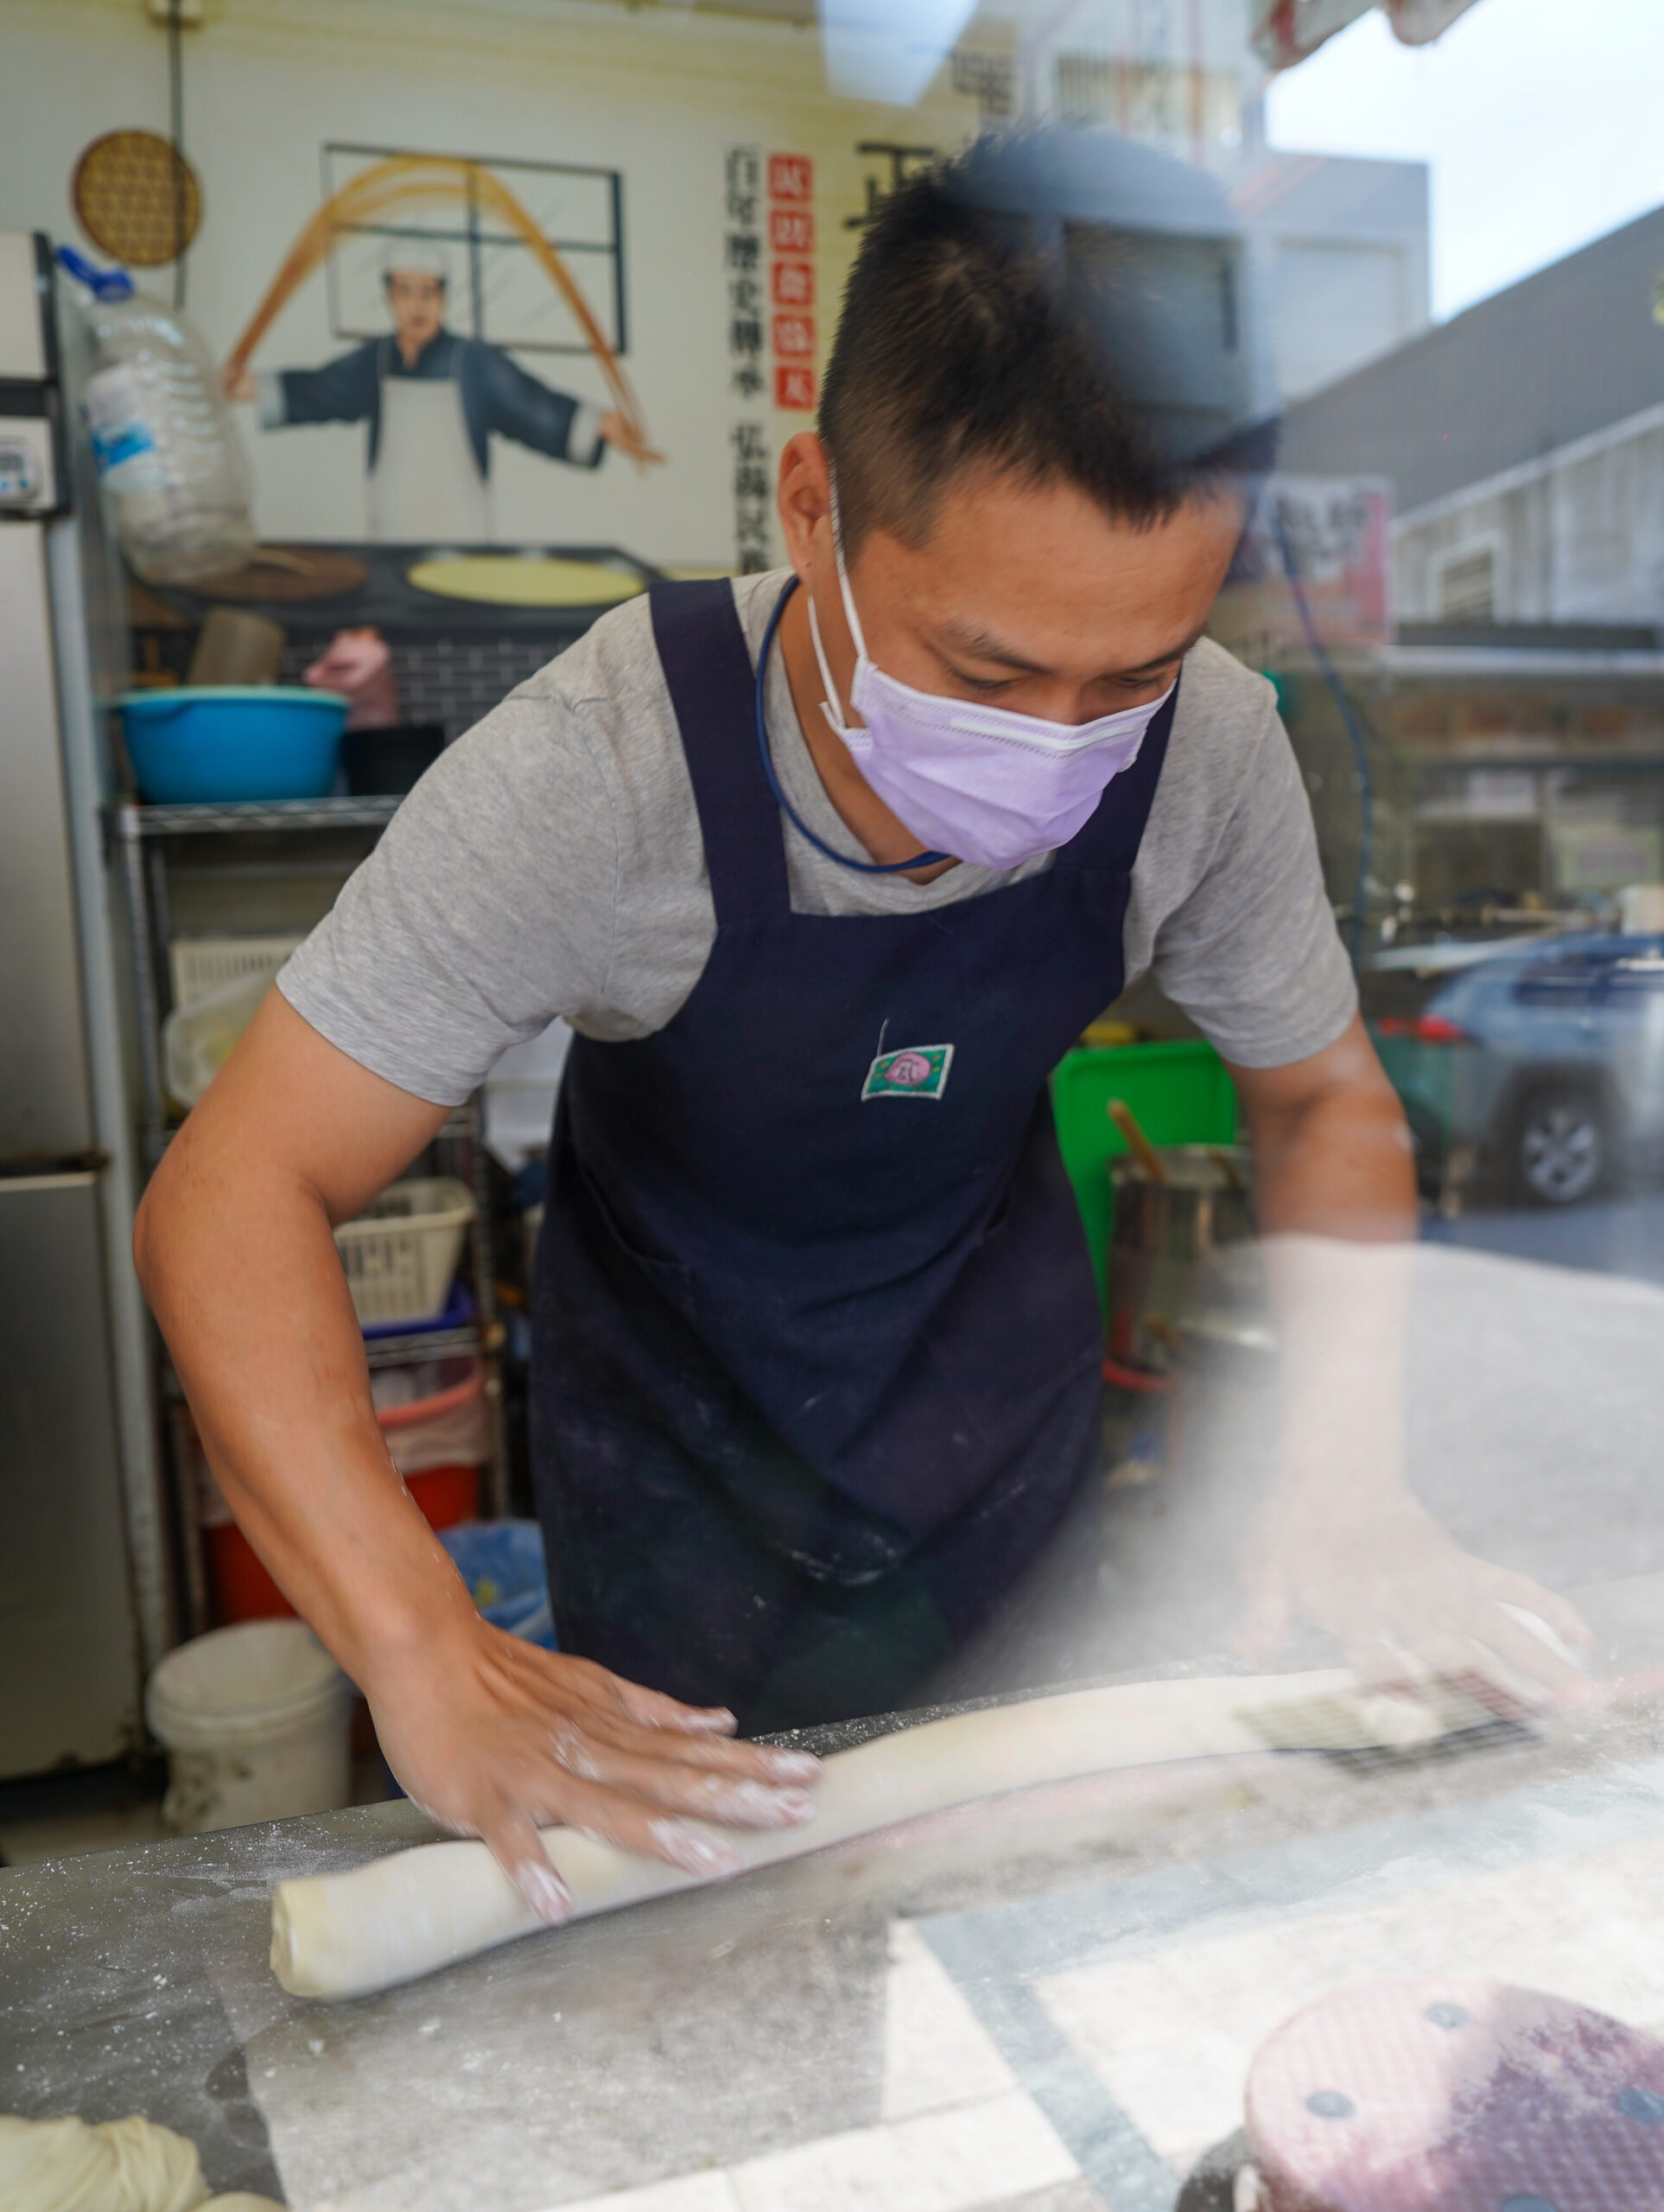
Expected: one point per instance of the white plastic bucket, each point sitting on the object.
(255, 1720)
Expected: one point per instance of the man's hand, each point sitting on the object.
(491, 1734)
(495, 1738)
(1403, 1599)
(1341, 1542)
(617, 429)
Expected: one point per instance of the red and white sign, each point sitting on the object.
(1338, 530)
(1336, 533)
(790, 176)
(790, 230)
(791, 279)
(794, 336)
(792, 283)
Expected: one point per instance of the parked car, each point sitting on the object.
(1537, 1069)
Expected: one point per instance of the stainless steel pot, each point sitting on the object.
(1166, 1244)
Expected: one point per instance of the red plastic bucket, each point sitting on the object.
(437, 1442)
(243, 1590)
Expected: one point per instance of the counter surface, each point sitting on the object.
(1050, 2000)
(1047, 2001)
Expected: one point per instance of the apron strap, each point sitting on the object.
(1111, 836)
(707, 666)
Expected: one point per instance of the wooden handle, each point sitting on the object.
(1137, 1143)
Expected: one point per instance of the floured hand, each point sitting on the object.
(495, 1738)
(1403, 1599)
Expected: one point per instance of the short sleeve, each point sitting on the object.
(1252, 955)
(486, 909)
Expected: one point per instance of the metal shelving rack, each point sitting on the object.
(141, 837)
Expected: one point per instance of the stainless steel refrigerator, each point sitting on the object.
(83, 1584)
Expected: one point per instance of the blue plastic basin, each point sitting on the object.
(211, 743)
(502, 1563)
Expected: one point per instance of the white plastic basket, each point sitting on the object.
(401, 1253)
(200, 964)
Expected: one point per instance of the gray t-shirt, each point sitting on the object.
(552, 863)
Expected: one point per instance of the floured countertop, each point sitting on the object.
(1048, 2001)
(111, 1999)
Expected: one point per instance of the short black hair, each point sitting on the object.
(965, 341)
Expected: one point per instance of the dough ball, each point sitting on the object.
(119, 2165)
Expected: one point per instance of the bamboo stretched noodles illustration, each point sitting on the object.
(408, 180)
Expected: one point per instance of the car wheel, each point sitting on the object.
(1561, 1149)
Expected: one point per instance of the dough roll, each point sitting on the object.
(349, 1934)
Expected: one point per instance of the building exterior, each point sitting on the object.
(1525, 443)
(1516, 723)
(1338, 255)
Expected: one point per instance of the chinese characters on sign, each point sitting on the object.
(903, 161)
(771, 313)
(751, 497)
(792, 177)
(990, 78)
(1317, 550)
(791, 279)
(742, 263)
(790, 230)
(1337, 533)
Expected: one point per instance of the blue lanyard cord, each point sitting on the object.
(861, 867)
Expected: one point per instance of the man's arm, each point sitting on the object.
(519, 406)
(233, 1245)
(1342, 1542)
(1331, 1147)
(342, 391)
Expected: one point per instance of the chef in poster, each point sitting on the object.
(432, 401)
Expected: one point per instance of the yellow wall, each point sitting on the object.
(659, 93)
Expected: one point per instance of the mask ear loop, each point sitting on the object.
(850, 616)
(832, 705)
(859, 868)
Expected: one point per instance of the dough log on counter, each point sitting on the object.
(348, 1934)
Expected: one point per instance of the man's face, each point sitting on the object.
(418, 306)
(1032, 598)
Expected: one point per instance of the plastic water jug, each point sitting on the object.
(167, 454)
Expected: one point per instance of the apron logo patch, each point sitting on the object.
(916, 1071)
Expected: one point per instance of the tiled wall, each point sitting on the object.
(449, 680)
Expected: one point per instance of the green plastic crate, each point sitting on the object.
(1425, 1074)
(1180, 1092)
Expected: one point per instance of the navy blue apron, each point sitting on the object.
(815, 1343)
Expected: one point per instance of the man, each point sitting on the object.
(827, 869)
(432, 401)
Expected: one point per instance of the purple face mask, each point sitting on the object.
(983, 783)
